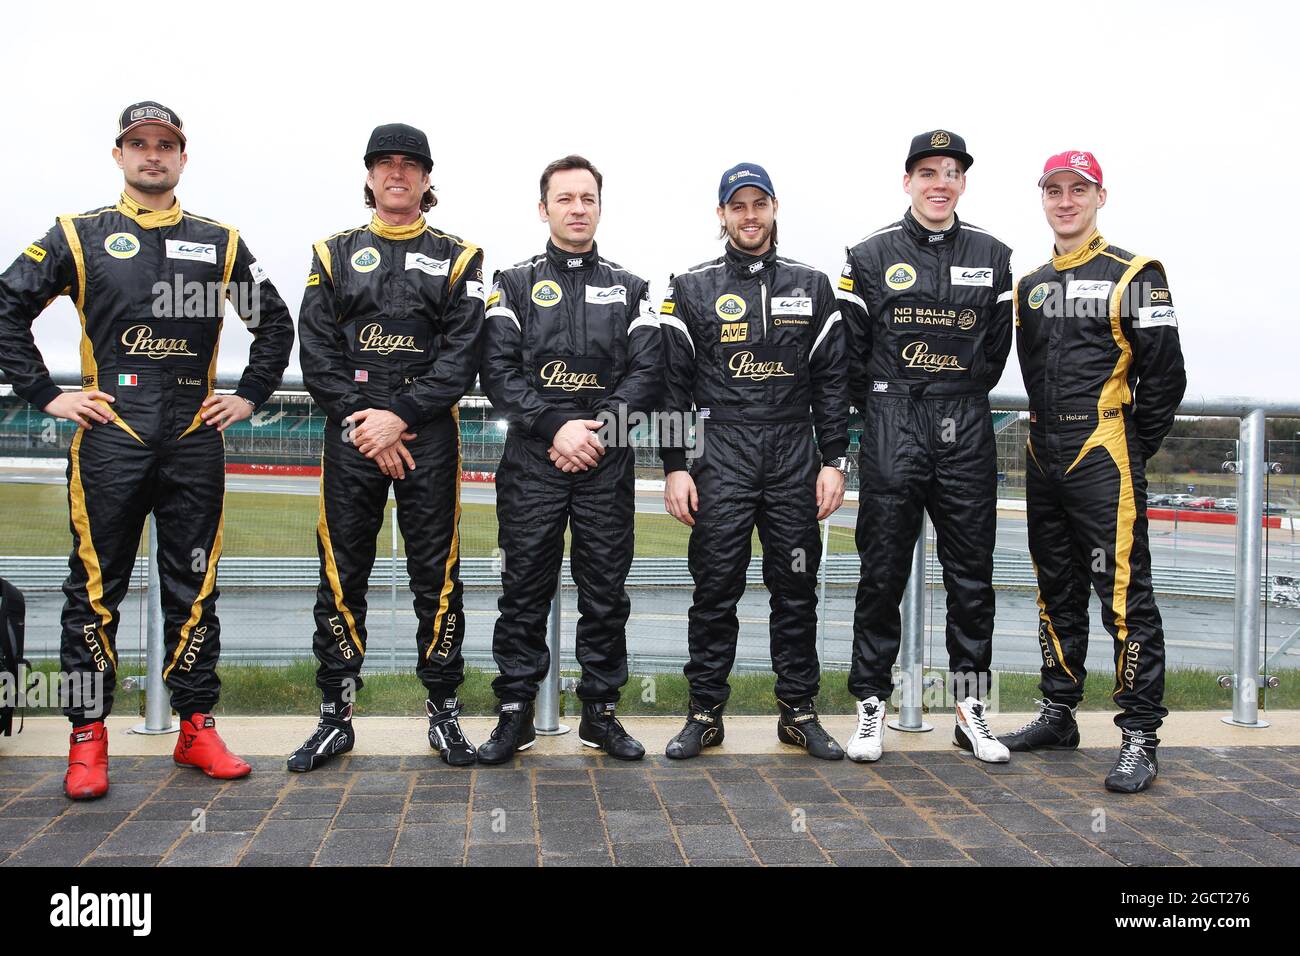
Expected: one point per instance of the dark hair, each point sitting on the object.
(571, 161)
(427, 201)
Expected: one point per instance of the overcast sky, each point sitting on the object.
(1189, 108)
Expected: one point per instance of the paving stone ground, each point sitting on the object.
(1215, 806)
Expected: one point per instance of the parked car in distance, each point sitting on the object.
(1203, 503)
(1157, 501)
(1177, 501)
(1226, 504)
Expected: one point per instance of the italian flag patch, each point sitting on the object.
(127, 380)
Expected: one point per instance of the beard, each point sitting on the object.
(164, 184)
(744, 243)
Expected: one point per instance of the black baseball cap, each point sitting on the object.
(399, 138)
(938, 142)
(148, 111)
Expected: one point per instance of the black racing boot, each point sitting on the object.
(1053, 728)
(333, 736)
(445, 735)
(601, 730)
(703, 729)
(1136, 768)
(513, 732)
(799, 726)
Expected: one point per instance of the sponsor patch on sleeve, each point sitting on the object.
(34, 252)
(475, 289)
(668, 307)
(313, 279)
(1150, 317)
(259, 274)
(846, 284)
(494, 298)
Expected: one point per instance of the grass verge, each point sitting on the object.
(291, 689)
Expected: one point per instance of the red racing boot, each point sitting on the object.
(87, 776)
(199, 745)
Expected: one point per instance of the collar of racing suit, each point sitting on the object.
(148, 218)
(385, 231)
(569, 261)
(1079, 256)
(742, 263)
(928, 237)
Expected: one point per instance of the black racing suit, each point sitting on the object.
(1098, 345)
(754, 344)
(929, 322)
(569, 336)
(150, 288)
(391, 319)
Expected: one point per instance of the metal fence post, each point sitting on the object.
(1245, 631)
(546, 716)
(158, 703)
(821, 599)
(912, 651)
(392, 587)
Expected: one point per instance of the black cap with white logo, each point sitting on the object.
(399, 138)
(145, 112)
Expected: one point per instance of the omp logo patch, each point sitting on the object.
(900, 276)
(193, 251)
(366, 260)
(730, 306)
(1038, 296)
(422, 263)
(34, 252)
(1158, 296)
(121, 245)
(547, 294)
(735, 331)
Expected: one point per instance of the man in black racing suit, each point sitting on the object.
(927, 304)
(390, 339)
(753, 341)
(150, 439)
(572, 355)
(1097, 338)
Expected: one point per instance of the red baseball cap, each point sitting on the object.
(1077, 161)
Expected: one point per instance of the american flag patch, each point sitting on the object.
(360, 375)
(128, 380)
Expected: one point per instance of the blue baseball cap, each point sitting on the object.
(742, 175)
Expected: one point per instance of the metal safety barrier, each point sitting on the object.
(1247, 581)
(1014, 571)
